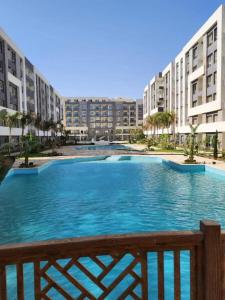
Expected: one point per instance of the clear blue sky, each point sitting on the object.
(102, 47)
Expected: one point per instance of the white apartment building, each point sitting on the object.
(193, 85)
(23, 88)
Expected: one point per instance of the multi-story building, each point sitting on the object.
(23, 88)
(139, 112)
(102, 118)
(193, 85)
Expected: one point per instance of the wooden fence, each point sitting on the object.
(117, 266)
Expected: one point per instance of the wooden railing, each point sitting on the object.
(132, 266)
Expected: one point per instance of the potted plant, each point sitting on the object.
(28, 143)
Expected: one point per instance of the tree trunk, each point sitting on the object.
(9, 148)
(26, 160)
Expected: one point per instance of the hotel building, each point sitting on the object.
(23, 88)
(97, 118)
(193, 85)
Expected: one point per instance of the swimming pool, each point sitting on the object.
(71, 198)
(102, 147)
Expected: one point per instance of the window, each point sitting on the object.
(210, 38)
(195, 52)
(177, 70)
(209, 98)
(1, 47)
(214, 77)
(13, 90)
(215, 34)
(13, 56)
(194, 103)
(215, 117)
(1, 66)
(209, 81)
(194, 88)
(194, 120)
(194, 68)
(208, 118)
(1, 86)
(214, 96)
(209, 60)
(211, 117)
(215, 56)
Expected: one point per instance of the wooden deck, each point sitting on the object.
(206, 248)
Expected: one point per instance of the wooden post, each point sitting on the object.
(211, 260)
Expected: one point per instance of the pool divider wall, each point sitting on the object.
(185, 168)
(37, 170)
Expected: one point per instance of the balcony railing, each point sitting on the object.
(118, 266)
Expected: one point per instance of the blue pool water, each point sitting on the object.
(102, 147)
(105, 197)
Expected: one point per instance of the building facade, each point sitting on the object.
(193, 85)
(23, 88)
(99, 118)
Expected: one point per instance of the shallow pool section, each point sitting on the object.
(119, 195)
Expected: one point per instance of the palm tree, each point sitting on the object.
(192, 143)
(167, 120)
(45, 126)
(151, 123)
(38, 124)
(158, 121)
(3, 114)
(173, 120)
(54, 128)
(61, 129)
(164, 120)
(10, 120)
(66, 133)
(25, 120)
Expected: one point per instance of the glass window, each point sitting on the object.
(215, 56)
(215, 34)
(195, 52)
(194, 120)
(209, 98)
(214, 77)
(210, 38)
(194, 68)
(209, 80)
(194, 88)
(1, 86)
(209, 118)
(215, 117)
(209, 60)
(1, 66)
